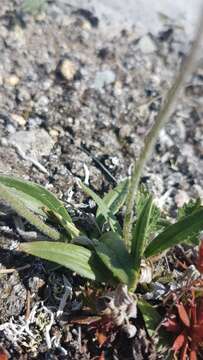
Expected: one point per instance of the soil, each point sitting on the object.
(89, 99)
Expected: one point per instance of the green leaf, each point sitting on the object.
(74, 257)
(113, 253)
(35, 197)
(141, 198)
(150, 315)
(114, 200)
(189, 208)
(139, 232)
(104, 210)
(16, 204)
(70, 228)
(182, 231)
(157, 219)
(116, 197)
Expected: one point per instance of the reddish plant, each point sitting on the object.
(186, 321)
(200, 258)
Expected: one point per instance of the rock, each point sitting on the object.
(157, 290)
(181, 198)
(34, 122)
(19, 119)
(165, 139)
(23, 94)
(47, 84)
(68, 69)
(118, 88)
(11, 129)
(85, 25)
(54, 133)
(89, 16)
(3, 141)
(103, 78)
(43, 101)
(34, 143)
(130, 330)
(147, 45)
(125, 131)
(12, 80)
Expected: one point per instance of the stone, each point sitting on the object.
(11, 129)
(147, 45)
(103, 78)
(165, 139)
(12, 80)
(18, 119)
(3, 141)
(34, 143)
(54, 133)
(23, 94)
(125, 131)
(118, 88)
(68, 69)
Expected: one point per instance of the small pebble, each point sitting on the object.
(11, 129)
(23, 94)
(86, 25)
(103, 78)
(165, 138)
(35, 143)
(12, 80)
(43, 101)
(147, 45)
(118, 88)
(3, 141)
(68, 69)
(125, 131)
(130, 330)
(53, 133)
(19, 119)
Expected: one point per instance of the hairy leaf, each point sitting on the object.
(35, 196)
(70, 228)
(113, 200)
(74, 257)
(116, 197)
(157, 219)
(16, 204)
(140, 231)
(104, 209)
(112, 251)
(182, 231)
(187, 209)
(141, 198)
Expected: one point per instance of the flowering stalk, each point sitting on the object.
(164, 115)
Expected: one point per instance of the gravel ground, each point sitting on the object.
(75, 103)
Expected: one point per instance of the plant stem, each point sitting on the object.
(134, 281)
(171, 100)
